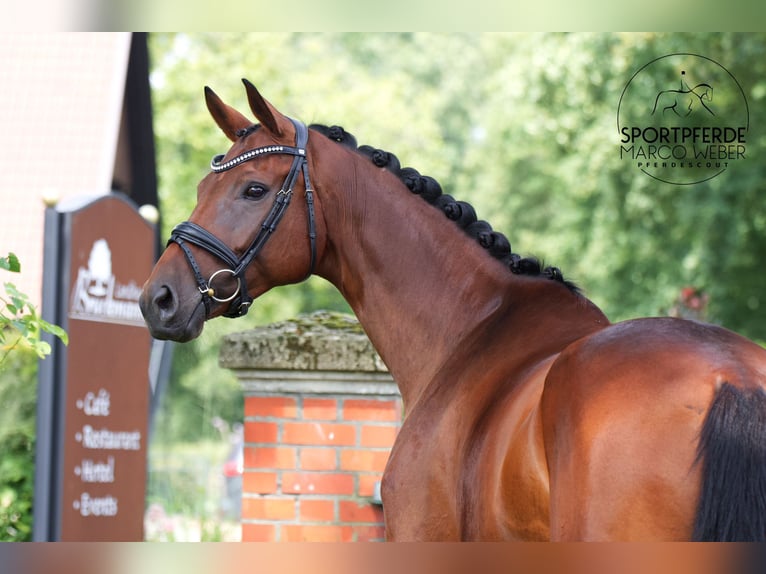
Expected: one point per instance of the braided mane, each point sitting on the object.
(462, 213)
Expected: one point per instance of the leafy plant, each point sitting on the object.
(21, 344)
(20, 325)
(18, 393)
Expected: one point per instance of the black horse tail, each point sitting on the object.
(732, 449)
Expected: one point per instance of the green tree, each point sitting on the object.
(551, 176)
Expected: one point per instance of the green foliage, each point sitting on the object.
(632, 242)
(21, 345)
(20, 325)
(18, 393)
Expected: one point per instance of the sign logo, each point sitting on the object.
(98, 296)
(683, 119)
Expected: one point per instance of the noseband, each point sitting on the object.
(237, 265)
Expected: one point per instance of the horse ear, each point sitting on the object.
(227, 118)
(269, 117)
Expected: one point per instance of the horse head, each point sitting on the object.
(241, 239)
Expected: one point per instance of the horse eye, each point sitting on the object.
(254, 191)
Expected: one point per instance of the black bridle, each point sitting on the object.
(190, 232)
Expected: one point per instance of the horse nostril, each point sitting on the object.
(165, 302)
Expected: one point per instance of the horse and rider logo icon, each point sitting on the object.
(685, 101)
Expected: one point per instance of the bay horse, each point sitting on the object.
(529, 416)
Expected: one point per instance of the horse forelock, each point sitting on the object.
(460, 212)
(244, 132)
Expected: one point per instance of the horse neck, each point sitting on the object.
(418, 285)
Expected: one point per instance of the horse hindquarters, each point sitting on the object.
(732, 451)
(655, 430)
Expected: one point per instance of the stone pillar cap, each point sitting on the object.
(320, 341)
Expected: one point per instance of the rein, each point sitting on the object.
(190, 232)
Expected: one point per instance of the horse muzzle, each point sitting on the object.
(169, 315)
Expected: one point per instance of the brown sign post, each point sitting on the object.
(94, 398)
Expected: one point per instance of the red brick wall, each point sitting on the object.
(311, 464)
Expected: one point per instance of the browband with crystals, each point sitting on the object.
(218, 167)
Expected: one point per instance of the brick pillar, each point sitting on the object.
(321, 414)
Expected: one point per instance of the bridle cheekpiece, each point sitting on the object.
(190, 232)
